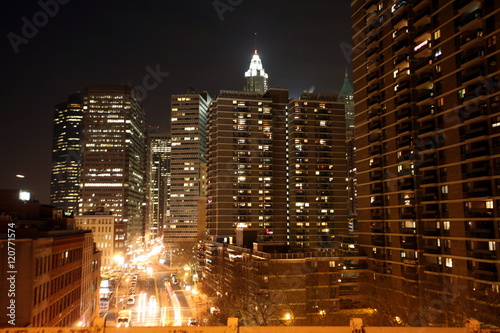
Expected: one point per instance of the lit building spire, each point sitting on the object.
(256, 77)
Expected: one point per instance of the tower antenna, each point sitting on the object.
(255, 41)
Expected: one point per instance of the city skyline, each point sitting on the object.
(181, 46)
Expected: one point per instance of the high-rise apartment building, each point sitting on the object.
(256, 77)
(113, 159)
(66, 154)
(346, 96)
(426, 82)
(188, 156)
(244, 164)
(159, 181)
(316, 171)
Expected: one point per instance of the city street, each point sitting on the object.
(152, 297)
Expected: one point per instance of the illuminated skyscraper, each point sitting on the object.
(247, 164)
(316, 172)
(188, 156)
(159, 181)
(256, 77)
(66, 154)
(113, 159)
(347, 97)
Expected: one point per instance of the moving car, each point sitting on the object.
(124, 318)
(131, 301)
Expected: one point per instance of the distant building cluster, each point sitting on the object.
(379, 201)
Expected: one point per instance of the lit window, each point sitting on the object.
(461, 93)
(446, 225)
(437, 34)
(449, 262)
(489, 204)
(444, 189)
(495, 121)
(438, 52)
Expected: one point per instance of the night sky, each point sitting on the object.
(301, 44)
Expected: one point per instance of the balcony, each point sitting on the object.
(374, 137)
(422, 30)
(479, 212)
(423, 64)
(473, 37)
(400, 100)
(371, 76)
(459, 4)
(432, 248)
(426, 127)
(408, 243)
(405, 141)
(472, 58)
(402, 86)
(473, 112)
(371, 51)
(431, 196)
(406, 184)
(425, 94)
(405, 155)
(400, 33)
(409, 213)
(401, 45)
(482, 233)
(403, 113)
(371, 40)
(425, 110)
(410, 275)
(373, 100)
(428, 160)
(376, 188)
(377, 202)
(370, 6)
(477, 152)
(433, 267)
(403, 127)
(379, 255)
(377, 228)
(375, 150)
(482, 191)
(424, 78)
(486, 275)
(374, 113)
(484, 254)
(472, 74)
(432, 232)
(378, 241)
(400, 58)
(477, 131)
(467, 21)
(376, 175)
(429, 177)
(376, 124)
(423, 17)
(376, 214)
(372, 88)
(400, 21)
